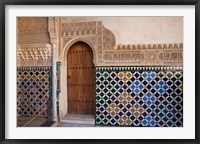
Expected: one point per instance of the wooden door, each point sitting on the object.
(80, 79)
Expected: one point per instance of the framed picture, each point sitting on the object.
(105, 71)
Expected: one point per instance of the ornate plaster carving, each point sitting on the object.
(79, 28)
(34, 55)
(92, 32)
(52, 31)
(106, 52)
(88, 40)
(51, 27)
(89, 32)
(150, 54)
(109, 41)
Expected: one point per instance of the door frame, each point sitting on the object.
(64, 92)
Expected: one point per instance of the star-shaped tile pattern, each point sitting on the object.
(33, 91)
(141, 98)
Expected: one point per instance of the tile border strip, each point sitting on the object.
(136, 68)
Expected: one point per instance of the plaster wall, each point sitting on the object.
(63, 94)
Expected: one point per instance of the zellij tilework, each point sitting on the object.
(140, 98)
(33, 91)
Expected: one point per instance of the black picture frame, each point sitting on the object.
(4, 3)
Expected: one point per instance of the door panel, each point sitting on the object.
(80, 79)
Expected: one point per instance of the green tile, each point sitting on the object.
(173, 79)
(113, 82)
(169, 123)
(174, 95)
(105, 75)
(165, 111)
(161, 114)
(157, 110)
(117, 86)
(169, 99)
(174, 119)
(105, 97)
(105, 120)
(98, 97)
(98, 120)
(102, 101)
(98, 75)
(109, 86)
(161, 106)
(113, 90)
(102, 116)
(174, 103)
(102, 79)
(101, 94)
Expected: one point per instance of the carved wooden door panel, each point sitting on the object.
(80, 79)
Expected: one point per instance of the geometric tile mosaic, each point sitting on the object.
(33, 91)
(140, 98)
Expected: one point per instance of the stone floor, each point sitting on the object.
(32, 122)
(70, 120)
(75, 120)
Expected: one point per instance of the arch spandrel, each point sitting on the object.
(75, 40)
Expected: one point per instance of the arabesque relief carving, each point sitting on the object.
(151, 54)
(109, 41)
(78, 29)
(51, 27)
(93, 32)
(109, 53)
(34, 55)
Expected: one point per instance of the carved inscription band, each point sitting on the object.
(156, 54)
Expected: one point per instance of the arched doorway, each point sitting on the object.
(80, 79)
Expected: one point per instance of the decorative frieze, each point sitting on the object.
(79, 28)
(149, 46)
(127, 68)
(36, 68)
(155, 54)
(34, 55)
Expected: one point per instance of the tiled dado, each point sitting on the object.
(33, 91)
(139, 96)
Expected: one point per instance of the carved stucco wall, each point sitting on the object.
(34, 55)
(108, 51)
(33, 42)
(32, 30)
